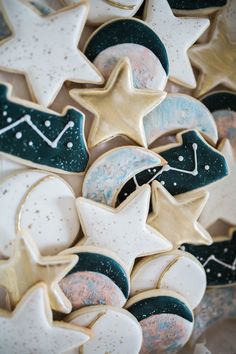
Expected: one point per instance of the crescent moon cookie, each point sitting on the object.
(99, 278)
(192, 163)
(114, 330)
(196, 7)
(178, 35)
(42, 138)
(222, 105)
(27, 261)
(130, 38)
(175, 270)
(104, 10)
(30, 327)
(111, 105)
(41, 203)
(166, 320)
(178, 112)
(41, 52)
(218, 259)
(122, 230)
(103, 179)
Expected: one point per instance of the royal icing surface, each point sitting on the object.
(205, 6)
(176, 112)
(178, 35)
(122, 230)
(104, 179)
(42, 138)
(41, 52)
(30, 328)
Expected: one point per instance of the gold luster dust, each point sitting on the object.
(119, 5)
(216, 61)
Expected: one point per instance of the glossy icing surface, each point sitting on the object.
(195, 4)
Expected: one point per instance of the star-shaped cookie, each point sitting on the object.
(45, 48)
(30, 327)
(27, 267)
(178, 35)
(122, 230)
(216, 61)
(222, 195)
(119, 108)
(176, 217)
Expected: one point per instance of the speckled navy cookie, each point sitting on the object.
(222, 104)
(42, 138)
(206, 6)
(97, 279)
(192, 163)
(165, 318)
(218, 259)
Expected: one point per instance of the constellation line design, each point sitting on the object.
(213, 258)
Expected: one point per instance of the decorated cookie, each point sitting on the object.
(24, 51)
(114, 330)
(42, 138)
(122, 230)
(41, 203)
(222, 195)
(178, 35)
(192, 163)
(113, 169)
(222, 104)
(166, 320)
(218, 259)
(104, 10)
(176, 217)
(203, 7)
(178, 112)
(99, 278)
(46, 7)
(30, 327)
(5, 303)
(4, 28)
(216, 305)
(215, 60)
(111, 105)
(227, 15)
(130, 38)
(27, 261)
(175, 270)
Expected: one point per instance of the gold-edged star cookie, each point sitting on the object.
(27, 267)
(176, 217)
(30, 327)
(216, 61)
(119, 108)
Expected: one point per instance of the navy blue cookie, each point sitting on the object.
(195, 5)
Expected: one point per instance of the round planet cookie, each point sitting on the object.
(104, 10)
(114, 330)
(196, 7)
(166, 320)
(130, 38)
(113, 169)
(99, 278)
(177, 112)
(222, 105)
(175, 270)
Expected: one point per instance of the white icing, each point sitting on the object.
(27, 119)
(224, 264)
(47, 123)
(9, 120)
(48, 52)
(114, 331)
(178, 35)
(70, 145)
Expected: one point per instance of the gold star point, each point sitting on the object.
(119, 108)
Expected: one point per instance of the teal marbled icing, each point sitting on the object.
(160, 304)
(23, 142)
(195, 4)
(179, 112)
(98, 263)
(127, 31)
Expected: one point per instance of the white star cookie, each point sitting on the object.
(45, 49)
(30, 327)
(122, 230)
(178, 35)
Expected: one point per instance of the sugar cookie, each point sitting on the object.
(42, 138)
(5, 303)
(99, 278)
(175, 270)
(196, 7)
(166, 320)
(30, 327)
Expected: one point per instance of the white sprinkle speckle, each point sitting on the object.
(70, 145)
(225, 250)
(30, 143)
(4, 113)
(219, 275)
(9, 120)
(207, 167)
(163, 183)
(18, 135)
(208, 270)
(175, 184)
